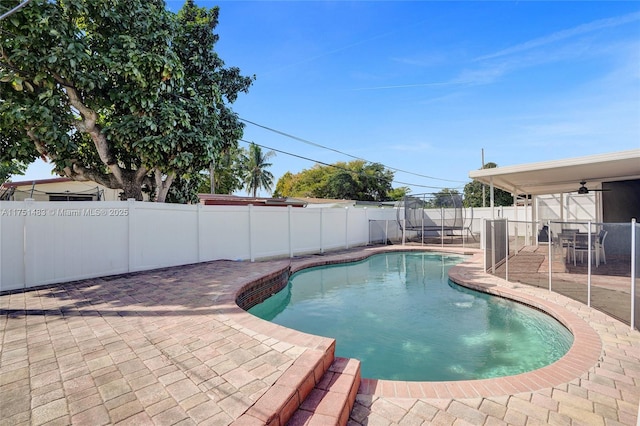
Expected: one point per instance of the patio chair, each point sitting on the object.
(567, 241)
(597, 247)
(600, 241)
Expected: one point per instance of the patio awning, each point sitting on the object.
(562, 176)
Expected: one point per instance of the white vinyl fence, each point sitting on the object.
(51, 242)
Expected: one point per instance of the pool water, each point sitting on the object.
(400, 315)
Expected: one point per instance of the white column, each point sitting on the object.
(491, 197)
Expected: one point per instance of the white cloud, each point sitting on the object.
(562, 35)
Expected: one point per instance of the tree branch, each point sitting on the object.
(15, 9)
(89, 125)
(77, 171)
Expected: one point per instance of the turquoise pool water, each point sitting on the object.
(399, 314)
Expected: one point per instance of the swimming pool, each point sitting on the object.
(399, 314)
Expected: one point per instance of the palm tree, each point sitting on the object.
(256, 175)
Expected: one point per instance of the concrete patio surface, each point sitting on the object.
(171, 346)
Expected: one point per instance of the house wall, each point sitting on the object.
(569, 207)
(42, 191)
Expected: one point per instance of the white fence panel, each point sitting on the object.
(11, 248)
(163, 235)
(50, 242)
(357, 227)
(334, 233)
(389, 213)
(74, 243)
(306, 228)
(57, 241)
(224, 233)
(269, 231)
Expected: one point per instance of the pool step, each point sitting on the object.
(331, 400)
(290, 391)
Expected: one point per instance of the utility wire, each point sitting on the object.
(340, 152)
(335, 166)
(14, 10)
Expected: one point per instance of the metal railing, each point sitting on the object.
(592, 262)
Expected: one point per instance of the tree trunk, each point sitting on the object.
(131, 189)
(163, 183)
(212, 177)
(131, 182)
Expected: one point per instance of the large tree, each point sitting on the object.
(124, 93)
(355, 180)
(473, 193)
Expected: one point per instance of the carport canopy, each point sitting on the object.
(562, 176)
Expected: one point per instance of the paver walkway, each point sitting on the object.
(172, 347)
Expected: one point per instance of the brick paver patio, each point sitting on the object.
(171, 347)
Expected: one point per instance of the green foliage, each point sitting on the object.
(228, 171)
(254, 167)
(124, 93)
(356, 180)
(285, 185)
(185, 189)
(473, 193)
(398, 194)
(443, 198)
(10, 167)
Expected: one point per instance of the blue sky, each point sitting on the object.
(424, 86)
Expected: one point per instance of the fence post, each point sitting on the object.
(633, 272)
(290, 233)
(550, 252)
(589, 261)
(404, 227)
(366, 217)
(441, 227)
(251, 258)
(346, 227)
(131, 243)
(30, 264)
(199, 231)
(386, 231)
(493, 246)
(321, 230)
(506, 248)
(483, 241)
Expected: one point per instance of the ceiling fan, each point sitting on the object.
(584, 190)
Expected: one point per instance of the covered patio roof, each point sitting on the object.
(562, 176)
